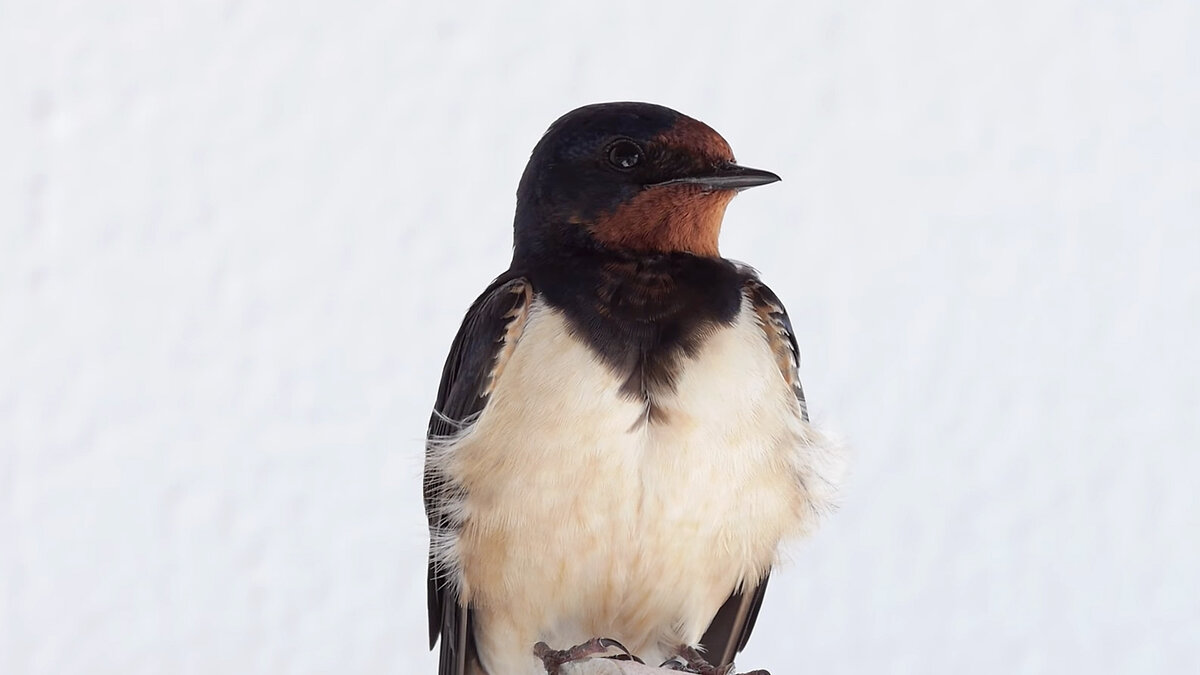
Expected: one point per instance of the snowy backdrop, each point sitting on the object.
(236, 239)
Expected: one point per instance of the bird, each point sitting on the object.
(620, 442)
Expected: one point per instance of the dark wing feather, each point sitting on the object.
(483, 343)
(780, 336)
(730, 628)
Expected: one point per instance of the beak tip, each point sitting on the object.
(745, 177)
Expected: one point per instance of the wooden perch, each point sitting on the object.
(587, 659)
(598, 666)
(612, 667)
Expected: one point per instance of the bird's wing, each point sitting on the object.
(483, 344)
(730, 628)
(782, 339)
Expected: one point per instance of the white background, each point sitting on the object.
(236, 239)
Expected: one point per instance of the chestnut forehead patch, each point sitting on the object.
(697, 137)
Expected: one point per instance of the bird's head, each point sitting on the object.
(629, 176)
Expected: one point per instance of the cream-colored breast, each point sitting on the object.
(582, 519)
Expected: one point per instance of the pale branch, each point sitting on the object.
(612, 667)
(598, 666)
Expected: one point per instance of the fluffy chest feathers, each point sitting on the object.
(592, 507)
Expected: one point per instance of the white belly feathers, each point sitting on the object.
(582, 520)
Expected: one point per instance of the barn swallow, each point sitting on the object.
(620, 441)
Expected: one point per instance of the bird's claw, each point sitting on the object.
(695, 663)
(554, 659)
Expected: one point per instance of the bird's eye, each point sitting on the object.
(624, 154)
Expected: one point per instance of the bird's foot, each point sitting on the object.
(693, 662)
(687, 659)
(553, 659)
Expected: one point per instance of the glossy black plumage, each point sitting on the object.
(567, 180)
(461, 395)
(643, 313)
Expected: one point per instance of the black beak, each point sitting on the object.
(728, 177)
